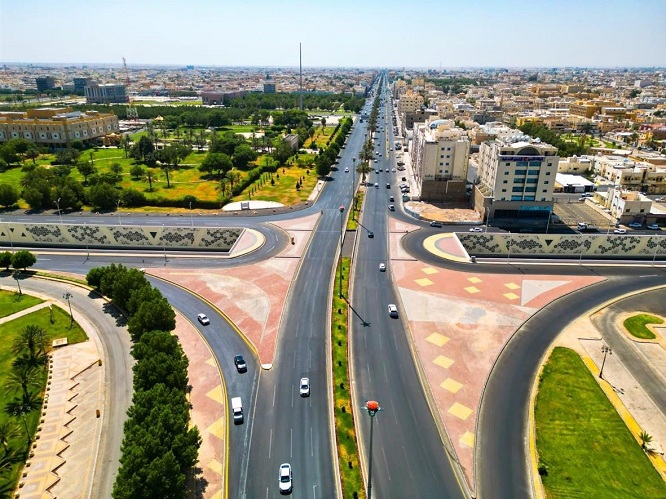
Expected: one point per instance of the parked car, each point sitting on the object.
(241, 366)
(203, 319)
(391, 207)
(635, 225)
(382, 267)
(653, 227)
(435, 223)
(476, 229)
(620, 231)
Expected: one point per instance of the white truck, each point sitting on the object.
(237, 409)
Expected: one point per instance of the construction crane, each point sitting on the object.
(132, 113)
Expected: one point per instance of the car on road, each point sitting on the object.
(388, 186)
(654, 227)
(285, 479)
(476, 229)
(375, 160)
(382, 267)
(620, 231)
(404, 179)
(376, 171)
(392, 310)
(391, 207)
(371, 234)
(387, 170)
(435, 223)
(391, 198)
(203, 319)
(376, 185)
(659, 200)
(305, 387)
(241, 366)
(390, 148)
(635, 225)
(400, 163)
(346, 170)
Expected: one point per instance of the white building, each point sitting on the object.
(575, 165)
(516, 181)
(440, 156)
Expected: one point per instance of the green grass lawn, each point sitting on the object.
(60, 328)
(587, 448)
(350, 470)
(11, 302)
(637, 325)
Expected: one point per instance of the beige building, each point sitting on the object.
(57, 127)
(575, 165)
(440, 156)
(629, 175)
(410, 102)
(627, 206)
(516, 181)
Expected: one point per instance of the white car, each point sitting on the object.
(392, 310)
(654, 227)
(305, 387)
(382, 267)
(393, 170)
(620, 231)
(635, 225)
(376, 185)
(284, 478)
(476, 229)
(346, 170)
(203, 319)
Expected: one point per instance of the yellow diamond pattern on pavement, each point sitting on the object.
(451, 385)
(211, 362)
(216, 394)
(216, 466)
(443, 361)
(511, 296)
(424, 282)
(429, 270)
(217, 428)
(472, 289)
(460, 411)
(512, 285)
(467, 439)
(474, 280)
(437, 339)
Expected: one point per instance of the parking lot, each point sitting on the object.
(571, 213)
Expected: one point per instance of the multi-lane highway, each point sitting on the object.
(409, 454)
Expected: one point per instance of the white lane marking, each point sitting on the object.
(311, 443)
(274, 392)
(291, 442)
(651, 275)
(270, 443)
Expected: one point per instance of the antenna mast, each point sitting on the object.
(300, 72)
(132, 113)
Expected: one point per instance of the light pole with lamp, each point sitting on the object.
(85, 234)
(353, 185)
(118, 211)
(606, 350)
(57, 203)
(67, 296)
(191, 219)
(654, 257)
(373, 408)
(164, 245)
(342, 210)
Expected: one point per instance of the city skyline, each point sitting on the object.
(258, 33)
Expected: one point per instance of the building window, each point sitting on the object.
(448, 148)
(521, 163)
(521, 172)
(505, 181)
(530, 189)
(543, 199)
(517, 189)
(533, 172)
(506, 173)
(528, 198)
(547, 173)
(532, 180)
(447, 164)
(545, 190)
(507, 164)
(550, 164)
(516, 198)
(503, 190)
(535, 163)
(518, 180)
(545, 182)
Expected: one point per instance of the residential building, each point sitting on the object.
(409, 102)
(219, 97)
(575, 165)
(80, 84)
(44, 83)
(629, 175)
(516, 179)
(269, 88)
(57, 127)
(627, 206)
(440, 156)
(105, 93)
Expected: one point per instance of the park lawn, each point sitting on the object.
(320, 137)
(587, 448)
(12, 302)
(637, 325)
(8, 332)
(284, 191)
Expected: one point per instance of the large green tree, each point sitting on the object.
(216, 162)
(23, 259)
(8, 195)
(150, 316)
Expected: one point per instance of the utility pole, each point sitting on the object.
(300, 72)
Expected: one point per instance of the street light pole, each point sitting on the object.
(373, 408)
(342, 210)
(118, 210)
(164, 246)
(353, 186)
(57, 203)
(191, 219)
(606, 350)
(85, 233)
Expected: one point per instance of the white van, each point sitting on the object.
(237, 409)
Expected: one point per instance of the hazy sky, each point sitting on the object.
(363, 33)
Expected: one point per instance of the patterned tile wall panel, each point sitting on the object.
(599, 245)
(109, 236)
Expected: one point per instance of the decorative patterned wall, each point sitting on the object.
(109, 236)
(597, 245)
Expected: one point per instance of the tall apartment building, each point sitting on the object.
(57, 127)
(44, 83)
(516, 181)
(409, 102)
(629, 175)
(105, 93)
(440, 156)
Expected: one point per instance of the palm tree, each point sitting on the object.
(363, 168)
(233, 177)
(8, 432)
(646, 440)
(21, 407)
(22, 378)
(223, 186)
(32, 339)
(149, 177)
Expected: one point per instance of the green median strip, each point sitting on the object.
(585, 449)
(637, 325)
(350, 471)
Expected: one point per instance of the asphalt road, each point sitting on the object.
(117, 371)
(408, 455)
